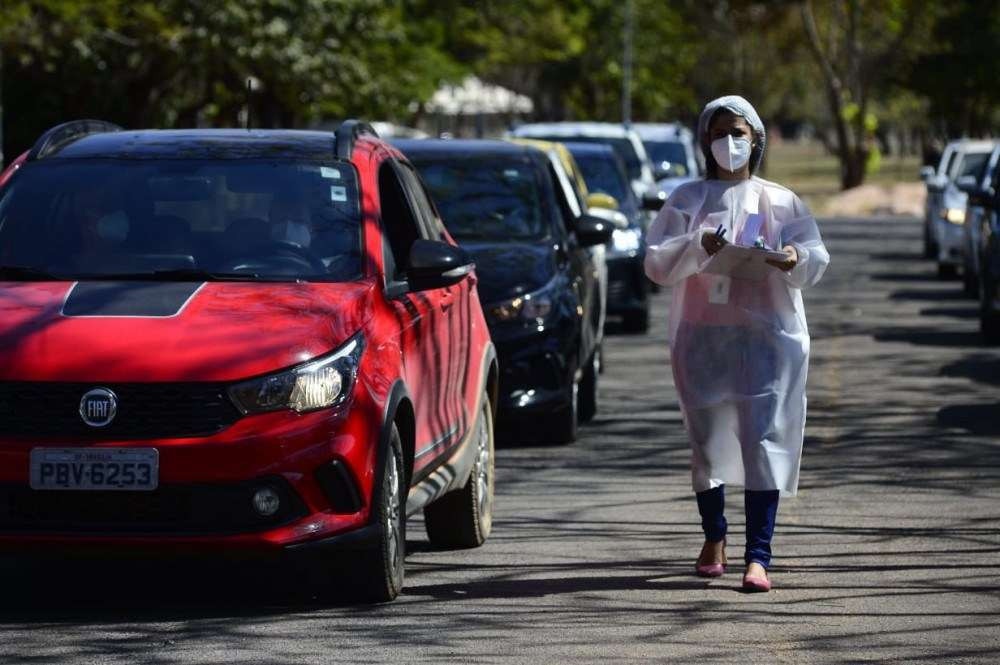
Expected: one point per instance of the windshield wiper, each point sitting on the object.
(28, 274)
(183, 275)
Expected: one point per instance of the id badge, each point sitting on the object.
(718, 290)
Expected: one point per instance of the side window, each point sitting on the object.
(422, 204)
(398, 221)
(565, 211)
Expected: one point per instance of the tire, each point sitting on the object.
(946, 271)
(636, 322)
(930, 247)
(970, 283)
(374, 575)
(989, 319)
(587, 398)
(562, 424)
(463, 518)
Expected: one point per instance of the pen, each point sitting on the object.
(720, 232)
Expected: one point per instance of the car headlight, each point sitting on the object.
(530, 307)
(954, 215)
(317, 384)
(626, 240)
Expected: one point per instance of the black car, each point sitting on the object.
(537, 281)
(628, 288)
(988, 252)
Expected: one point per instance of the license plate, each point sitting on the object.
(135, 469)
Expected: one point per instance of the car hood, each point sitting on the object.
(171, 331)
(508, 270)
(955, 197)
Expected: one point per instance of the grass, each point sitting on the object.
(806, 168)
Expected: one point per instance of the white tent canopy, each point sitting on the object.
(473, 97)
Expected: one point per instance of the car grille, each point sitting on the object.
(188, 509)
(34, 410)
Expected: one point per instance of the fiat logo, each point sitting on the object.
(98, 407)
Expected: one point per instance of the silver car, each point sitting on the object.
(945, 211)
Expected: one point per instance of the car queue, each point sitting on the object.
(285, 343)
(962, 223)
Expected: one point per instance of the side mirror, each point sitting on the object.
(653, 200)
(600, 200)
(592, 230)
(435, 265)
(926, 173)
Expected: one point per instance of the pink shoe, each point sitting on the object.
(712, 569)
(756, 584)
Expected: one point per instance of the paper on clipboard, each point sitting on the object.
(748, 263)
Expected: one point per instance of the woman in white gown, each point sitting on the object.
(739, 347)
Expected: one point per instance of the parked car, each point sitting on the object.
(227, 340)
(989, 259)
(672, 150)
(573, 189)
(945, 212)
(979, 190)
(625, 141)
(503, 203)
(628, 288)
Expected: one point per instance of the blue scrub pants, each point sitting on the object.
(761, 510)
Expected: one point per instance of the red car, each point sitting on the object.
(221, 340)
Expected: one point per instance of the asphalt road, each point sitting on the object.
(890, 553)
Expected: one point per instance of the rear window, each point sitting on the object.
(486, 198)
(669, 156)
(88, 218)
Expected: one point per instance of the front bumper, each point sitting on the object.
(951, 242)
(536, 365)
(204, 499)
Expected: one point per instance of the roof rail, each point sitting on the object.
(64, 134)
(347, 133)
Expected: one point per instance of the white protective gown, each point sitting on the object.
(739, 349)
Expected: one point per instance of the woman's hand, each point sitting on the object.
(712, 243)
(790, 262)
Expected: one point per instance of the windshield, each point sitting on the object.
(604, 176)
(622, 146)
(669, 156)
(94, 218)
(972, 164)
(486, 198)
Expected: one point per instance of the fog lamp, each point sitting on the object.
(266, 501)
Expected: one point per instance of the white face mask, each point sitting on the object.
(293, 232)
(731, 154)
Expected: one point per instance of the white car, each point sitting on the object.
(946, 203)
(625, 141)
(674, 153)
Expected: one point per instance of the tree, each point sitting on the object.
(862, 49)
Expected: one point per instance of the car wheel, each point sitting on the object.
(587, 399)
(636, 322)
(562, 424)
(463, 518)
(970, 282)
(930, 247)
(375, 575)
(946, 271)
(989, 318)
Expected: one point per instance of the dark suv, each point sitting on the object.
(538, 282)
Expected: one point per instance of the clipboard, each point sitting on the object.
(741, 262)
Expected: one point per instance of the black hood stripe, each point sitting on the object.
(139, 299)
